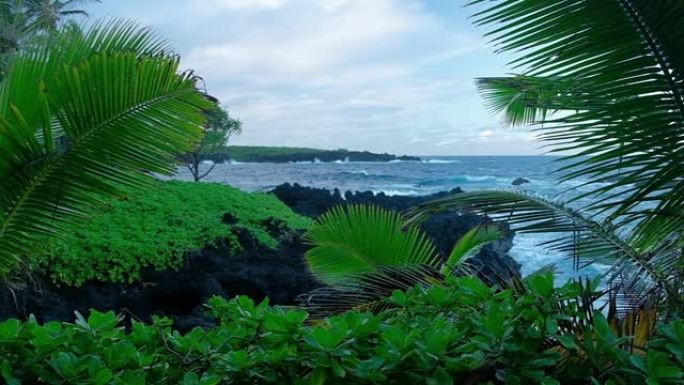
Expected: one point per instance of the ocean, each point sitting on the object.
(431, 175)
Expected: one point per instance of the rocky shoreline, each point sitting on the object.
(444, 228)
(257, 271)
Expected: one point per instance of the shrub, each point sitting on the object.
(464, 332)
(157, 227)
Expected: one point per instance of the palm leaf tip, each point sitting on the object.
(470, 244)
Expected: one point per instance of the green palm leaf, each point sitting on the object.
(81, 115)
(641, 273)
(355, 239)
(365, 254)
(470, 244)
(367, 291)
(615, 71)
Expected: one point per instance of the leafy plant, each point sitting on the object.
(60, 152)
(156, 228)
(603, 81)
(462, 332)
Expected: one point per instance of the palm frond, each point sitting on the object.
(356, 239)
(81, 115)
(584, 239)
(615, 70)
(523, 100)
(367, 291)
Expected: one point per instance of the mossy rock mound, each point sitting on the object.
(156, 228)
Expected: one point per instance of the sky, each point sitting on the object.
(393, 76)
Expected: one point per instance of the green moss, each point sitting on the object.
(156, 227)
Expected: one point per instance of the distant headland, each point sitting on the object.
(299, 154)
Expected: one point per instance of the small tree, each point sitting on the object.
(218, 129)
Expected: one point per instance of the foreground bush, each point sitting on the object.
(462, 333)
(157, 227)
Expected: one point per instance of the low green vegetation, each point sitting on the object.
(156, 227)
(463, 332)
(298, 154)
(245, 153)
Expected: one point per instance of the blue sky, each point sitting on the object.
(378, 75)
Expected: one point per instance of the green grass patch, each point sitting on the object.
(156, 227)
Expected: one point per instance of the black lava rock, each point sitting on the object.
(519, 181)
(256, 271)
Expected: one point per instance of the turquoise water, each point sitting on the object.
(431, 175)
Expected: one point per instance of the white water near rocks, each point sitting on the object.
(431, 175)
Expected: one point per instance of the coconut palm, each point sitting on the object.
(46, 15)
(22, 19)
(80, 115)
(603, 82)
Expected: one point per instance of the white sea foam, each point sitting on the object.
(398, 192)
(532, 257)
(440, 161)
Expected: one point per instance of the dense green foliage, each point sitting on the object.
(82, 114)
(246, 153)
(156, 227)
(464, 332)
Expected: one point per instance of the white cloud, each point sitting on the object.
(381, 75)
(319, 41)
(486, 134)
(249, 4)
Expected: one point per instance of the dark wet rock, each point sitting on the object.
(313, 202)
(258, 272)
(275, 227)
(519, 181)
(444, 228)
(229, 219)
